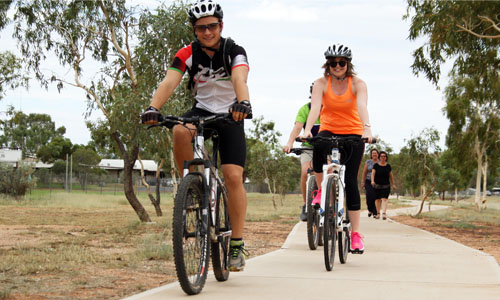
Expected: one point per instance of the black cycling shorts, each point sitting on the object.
(232, 143)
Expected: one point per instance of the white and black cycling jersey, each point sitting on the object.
(213, 88)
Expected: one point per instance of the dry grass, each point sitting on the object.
(92, 246)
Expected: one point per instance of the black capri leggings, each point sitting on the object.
(350, 156)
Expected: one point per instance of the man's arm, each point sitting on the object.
(295, 133)
(166, 88)
(239, 76)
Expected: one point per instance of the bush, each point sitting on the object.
(16, 181)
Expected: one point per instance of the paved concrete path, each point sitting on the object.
(400, 262)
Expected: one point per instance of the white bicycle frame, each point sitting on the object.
(338, 173)
(199, 152)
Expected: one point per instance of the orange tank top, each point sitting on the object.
(339, 114)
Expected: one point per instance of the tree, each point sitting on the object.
(131, 46)
(420, 158)
(266, 163)
(473, 108)
(444, 24)
(57, 148)
(11, 75)
(28, 132)
(85, 161)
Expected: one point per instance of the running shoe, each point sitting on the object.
(317, 197)
(357, 246)
(303, 215)
(237, 255)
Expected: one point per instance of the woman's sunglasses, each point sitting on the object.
(341, 63)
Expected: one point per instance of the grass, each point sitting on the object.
(64, 238)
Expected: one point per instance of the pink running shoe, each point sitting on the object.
(356, 243)
(317, 197)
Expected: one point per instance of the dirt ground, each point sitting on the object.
(93, 282)
(483, 237)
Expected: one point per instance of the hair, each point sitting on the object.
(374, 149)
(386, 155)
(350, 68)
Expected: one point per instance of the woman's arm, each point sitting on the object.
(361, 92)
(363, 178)
(392, 180)
(373, 176)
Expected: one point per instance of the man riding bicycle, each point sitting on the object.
(218, 70)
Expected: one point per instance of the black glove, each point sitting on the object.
(150, 116)
(243, 107)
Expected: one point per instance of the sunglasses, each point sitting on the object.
(341, 63)
(383, 156)
(202, 28)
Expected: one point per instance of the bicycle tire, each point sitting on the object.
(330, 224)
(189, 237)
(220, 249)
(313, 236)
(344, 236)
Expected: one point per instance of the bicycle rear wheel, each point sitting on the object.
(220, 249)
(313, 236)
(344, 236)
(190, 235)
(330, 223)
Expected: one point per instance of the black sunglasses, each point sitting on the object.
(202, 28)
(341, 63)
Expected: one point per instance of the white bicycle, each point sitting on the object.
(334, 219)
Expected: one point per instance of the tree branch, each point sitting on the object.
(470, 29)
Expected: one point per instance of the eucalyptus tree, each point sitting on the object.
(448, 29)
(28, 132)
(419, 155)
(473, 108)
(129, 46)
(266, 163)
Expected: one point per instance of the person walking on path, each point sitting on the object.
(306, 156)
(366, 184)
(381, 174)
(341, 98)
(218, 70)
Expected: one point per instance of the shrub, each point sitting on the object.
(16, 181)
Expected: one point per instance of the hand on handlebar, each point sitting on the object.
(241, 110)
(287, 148)
(151, 116)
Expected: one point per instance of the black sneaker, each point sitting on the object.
(303, 215)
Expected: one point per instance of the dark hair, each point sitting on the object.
(374, 149)
(386, 155)
(350, 68)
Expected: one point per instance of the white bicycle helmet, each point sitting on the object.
(338, 50)
(204, 8)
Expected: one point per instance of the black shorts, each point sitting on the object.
(383, 193)
(232, 143)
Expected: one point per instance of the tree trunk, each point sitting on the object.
(158, 172)
(155, 203)
(485, 177)
(479, 156)
(456, 194)
(128, 185)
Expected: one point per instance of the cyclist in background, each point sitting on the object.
(342, 98)
(306, 156)
(216, 90)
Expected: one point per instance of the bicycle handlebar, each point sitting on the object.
(169, 121)
(334, 139)
(299, 151)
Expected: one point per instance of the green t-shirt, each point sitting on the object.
(302, 118)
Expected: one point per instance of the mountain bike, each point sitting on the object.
(314, 231)
(334, 216)
(200, 222)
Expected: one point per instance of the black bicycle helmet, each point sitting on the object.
(338, 50)
(205, 8)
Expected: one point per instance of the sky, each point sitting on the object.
(285, 42)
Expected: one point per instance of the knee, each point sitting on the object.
(181, 134)
(233, 179)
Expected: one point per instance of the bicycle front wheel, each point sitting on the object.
(344, 236)
(313, 236)
(220, 248)
(190, 235)
(330, 223)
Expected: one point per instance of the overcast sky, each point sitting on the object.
(285, 42)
